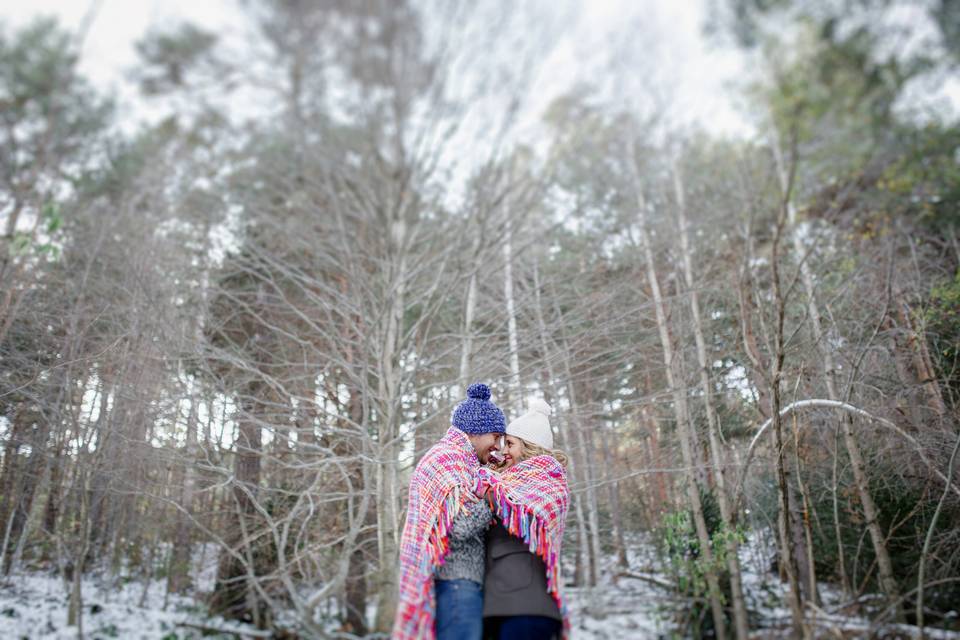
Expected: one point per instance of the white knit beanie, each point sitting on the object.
(534, 425)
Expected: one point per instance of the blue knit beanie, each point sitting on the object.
(477, 415)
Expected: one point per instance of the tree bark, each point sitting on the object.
(922, 363)
(671, 369)
(613, 495)
(584, 566)
(887, 580)
(788, 556)
(470, 306)
(233, 595)
(802, 530)
(741, 622)
(389, 431)
(178, 580)
(466, 349)
(516, 393)
(590, 492)
(356, 587)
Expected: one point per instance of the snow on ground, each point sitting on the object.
(639, 603)
(766, 598)
(631, 611)
(765, 595)
(34, 605)
(624, 604)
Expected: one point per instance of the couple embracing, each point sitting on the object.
(480, 552)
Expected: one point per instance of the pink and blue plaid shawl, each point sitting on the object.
(440, 486)
(531, 498)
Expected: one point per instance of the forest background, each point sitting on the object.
(228, 330)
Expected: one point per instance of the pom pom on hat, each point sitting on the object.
(534, 425)
(540, 406)
(477, 415)
(478, 391)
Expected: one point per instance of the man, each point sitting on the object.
(442, 548)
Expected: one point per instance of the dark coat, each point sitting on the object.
(515, 583)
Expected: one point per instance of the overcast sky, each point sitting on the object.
(668, 33)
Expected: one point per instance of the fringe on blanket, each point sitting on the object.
(439, 541)
(523, 523)
(438, 545)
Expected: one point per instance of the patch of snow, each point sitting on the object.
(623, 604)
(34, 605)
(203, 568)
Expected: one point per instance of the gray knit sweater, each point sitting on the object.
(466, 559)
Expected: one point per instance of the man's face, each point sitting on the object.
(484, 445)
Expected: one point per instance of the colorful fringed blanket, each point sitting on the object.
(440, 486)
(531, 499)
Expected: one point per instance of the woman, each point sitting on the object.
(529, 497)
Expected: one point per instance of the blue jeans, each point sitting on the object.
(526, 628)
(459, 610)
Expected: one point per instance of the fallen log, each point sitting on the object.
(649, 579)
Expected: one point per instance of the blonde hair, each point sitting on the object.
(529, 450)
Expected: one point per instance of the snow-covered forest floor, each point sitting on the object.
(34, 605)
(635, 602)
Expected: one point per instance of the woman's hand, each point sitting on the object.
(486, 478)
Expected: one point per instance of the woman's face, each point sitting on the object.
(512, 452)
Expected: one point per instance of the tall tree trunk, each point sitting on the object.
(10, 479)
(75, 604)
(466, 349)
(888, 582)
(585, 463)
(922, 363)
(470, 306)
(583, 556)
(760, 367)
(178, 579)
(613, 489)
(52, 509)
(355, 593)
(788, 557)
(233, 595)
(21, 503)
(741, 623)
(516, 393)
(662, 479)
(845, 587)
(356, 579)
(671, 369)
(802, 529)
(389, 431)
(590, 493)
